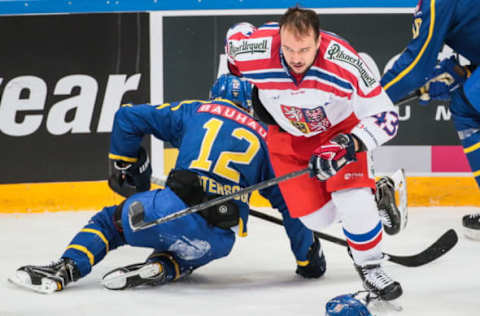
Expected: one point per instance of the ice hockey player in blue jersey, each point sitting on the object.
(221, 149)
(457, 24)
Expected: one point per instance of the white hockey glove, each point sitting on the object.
(327, 159)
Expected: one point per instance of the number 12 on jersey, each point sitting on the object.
(222, 168)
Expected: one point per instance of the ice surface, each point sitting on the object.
(256, 279)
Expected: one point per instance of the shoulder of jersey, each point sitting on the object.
(330, 36)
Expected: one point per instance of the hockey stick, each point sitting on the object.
(137, 222)
(415, 95)
(441, 246)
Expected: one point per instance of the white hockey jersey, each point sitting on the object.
(336, 87)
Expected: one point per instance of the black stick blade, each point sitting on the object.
(443, 244)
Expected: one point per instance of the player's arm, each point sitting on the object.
(378, 122)
(416, 63)
(236, 34)
(129, 166)
(376, 129)
(378, 116)
(133, 122)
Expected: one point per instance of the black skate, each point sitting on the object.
(471, 226)
(378, 282)
(394, 218)
(46, 279)
(146, 273)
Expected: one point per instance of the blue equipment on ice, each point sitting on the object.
(346, 305)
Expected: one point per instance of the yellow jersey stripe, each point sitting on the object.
(424, 47)
(186, 102)
(99, 234)
(83, 249)
(476, 173)
(469, 149)
(123, 158)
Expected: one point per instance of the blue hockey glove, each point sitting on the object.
(127, 178)
(316, 266)
(327, 159)
(447, 76)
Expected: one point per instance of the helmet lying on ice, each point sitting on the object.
(346, 305)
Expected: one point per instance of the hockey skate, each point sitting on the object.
(394, 218)
(146, 273)
(46, 279)
(378, 282)
(471, 226)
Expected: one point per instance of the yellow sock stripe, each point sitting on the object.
(241, 228)
(83, 249)
(303, 263)
(424, 47)
(171, 259)
(469, 149)
(123, 158)
(99, 234)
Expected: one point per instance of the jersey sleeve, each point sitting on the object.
(248, 47)
(235, 34)
(133, 122)
(372, 106)
(378, 119)
(431, 22)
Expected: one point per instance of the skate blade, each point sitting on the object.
(378, 306)
(473, 234)
(118, 279)
(22, 280)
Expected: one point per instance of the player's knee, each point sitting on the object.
(108, 221)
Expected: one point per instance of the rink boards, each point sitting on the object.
(55, 151)
(93, 195)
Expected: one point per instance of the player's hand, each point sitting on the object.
(127, 178)
(447, 76)
(327, 159)
(316, 266)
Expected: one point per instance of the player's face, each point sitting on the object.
(299, 51)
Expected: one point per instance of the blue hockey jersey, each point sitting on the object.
(218, 141)
(436, 22)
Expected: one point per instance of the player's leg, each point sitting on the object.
(352, 194)
(181, 245)
(159, 268)
(394, 215)
(466, 119)
(88, 247)
(363, 229)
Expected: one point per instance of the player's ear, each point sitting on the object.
(319, 39)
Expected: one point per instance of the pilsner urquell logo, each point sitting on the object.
(336, 53)
(248, 47)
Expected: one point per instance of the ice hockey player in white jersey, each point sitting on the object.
(325, 110)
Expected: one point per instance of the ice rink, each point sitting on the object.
(256, 279)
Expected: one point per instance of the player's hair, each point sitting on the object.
(300, 21)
